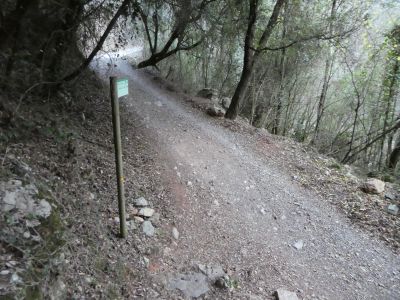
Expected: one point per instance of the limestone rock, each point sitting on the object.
(393, 209)
(212, 272)
(282, 294)
(148, 228)
(373, 186)
(140, 202)
(299, 245)
(191, 285)
(175, 233)
(225, 102)
(146, 212)
(22, 200)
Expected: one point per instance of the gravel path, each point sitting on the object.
(236, 208)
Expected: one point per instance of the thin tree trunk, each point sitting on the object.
(389, 99)
(99, 45)
(249, 56)
(327, 75)
(282, 63)
(394, 156)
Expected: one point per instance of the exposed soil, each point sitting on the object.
(236, 204)
(239, 197)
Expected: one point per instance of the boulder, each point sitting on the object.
(208, 93)
(215, 111)
(225, 102)
(373, 186)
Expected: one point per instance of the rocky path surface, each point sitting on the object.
(236, 208)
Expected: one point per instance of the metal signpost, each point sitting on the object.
(119, 88)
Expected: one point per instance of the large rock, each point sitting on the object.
(215, 111)
(148, 228)
(225, 102)
(373, 186)
(208, 93)
(22, 201)
(212, 272)
(191, 285)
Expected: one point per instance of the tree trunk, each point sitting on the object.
(99, 45)
(250, 57)
(327, 75)
(248, 61)
(389, 101)
(394, 155)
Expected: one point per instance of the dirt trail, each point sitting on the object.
(236, 208)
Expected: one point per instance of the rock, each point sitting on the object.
(225, 102)
(282, 294)
(22, 200)
(44, 209)
(390, 196)
(208, 93)
(191, 285)
(146, 261)
(133, 212)
(393, 209)
(175, 233)
(298, 245)
(146, 212)
(373, 186)
(148, 228)
(138, 219)
(212, 272)
(15, 279)
(155, 219)
(140, 202)
(215, 110)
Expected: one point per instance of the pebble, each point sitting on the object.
(175, 233)
(393, 209)
(140, 202)
(298, 245)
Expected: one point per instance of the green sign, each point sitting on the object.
(122, 87)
